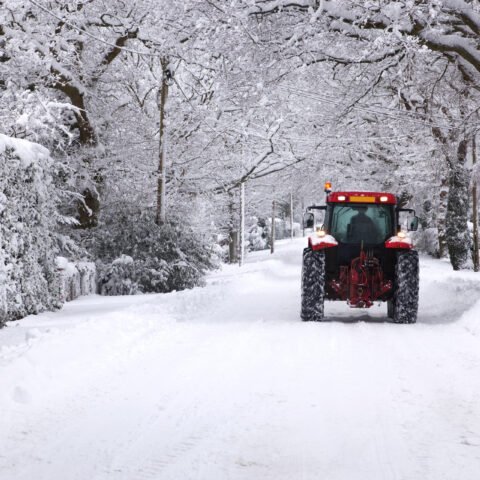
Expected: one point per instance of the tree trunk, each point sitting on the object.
(441, 217)
(88, 209)
(232, 230)
(89, 206)
(458, 238)
(161, 184)
(476, 259)
(233, 246)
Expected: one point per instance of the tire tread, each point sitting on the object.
(313, 285)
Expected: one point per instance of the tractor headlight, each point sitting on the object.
(320, 233)
(401, 235)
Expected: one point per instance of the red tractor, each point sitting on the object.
(360, 255)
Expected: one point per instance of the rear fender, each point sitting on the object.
(320, 243)
(403, 243)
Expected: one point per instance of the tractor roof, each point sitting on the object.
(362, 197)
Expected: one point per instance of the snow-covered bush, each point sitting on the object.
(88, 277)
(136, 255)
(260, 231)
(76, 278)
(119, 277)
(29, 282)
(257, 235)
(426, 241)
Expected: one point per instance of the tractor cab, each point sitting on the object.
(354, 223)
(360, 240)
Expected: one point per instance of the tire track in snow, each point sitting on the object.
(191, 411)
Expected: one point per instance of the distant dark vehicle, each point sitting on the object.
(360, 255)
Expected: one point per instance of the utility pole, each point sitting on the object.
(242, 224)
(303, 210)
(272, 243)
(291, 216)
(160, 216)
(476, 260)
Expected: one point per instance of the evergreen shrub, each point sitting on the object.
(137, 256)
(29, 282)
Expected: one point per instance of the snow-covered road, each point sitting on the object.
(225, 383)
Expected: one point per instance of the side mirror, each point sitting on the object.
(308, 220)
(413, 224)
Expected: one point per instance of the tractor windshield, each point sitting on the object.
(355, 223)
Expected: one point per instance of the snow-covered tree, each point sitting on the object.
(382, 36)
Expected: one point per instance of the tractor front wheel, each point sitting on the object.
(313, 285)
(405, 300)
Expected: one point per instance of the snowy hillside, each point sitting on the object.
(225, 382)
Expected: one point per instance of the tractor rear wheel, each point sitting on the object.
(405, 300)
(313, 285)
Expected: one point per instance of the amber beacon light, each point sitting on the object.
(328, 187)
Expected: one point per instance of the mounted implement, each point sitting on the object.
(360, 255)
